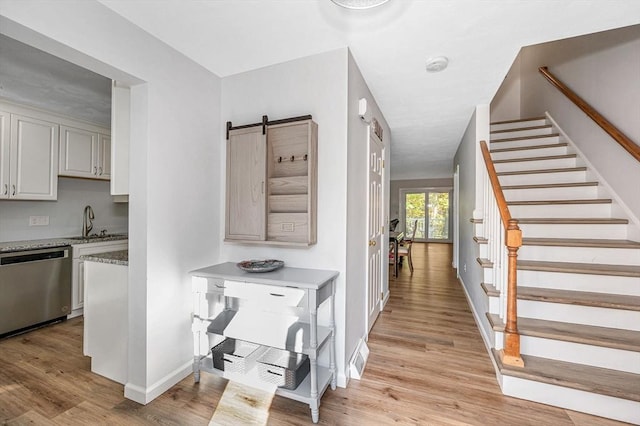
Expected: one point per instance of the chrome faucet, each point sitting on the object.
(87, 225)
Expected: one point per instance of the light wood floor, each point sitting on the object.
(428, 366)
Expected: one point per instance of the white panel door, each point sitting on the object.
(34, 158)
(374, 231)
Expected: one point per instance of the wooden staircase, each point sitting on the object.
(578, 278)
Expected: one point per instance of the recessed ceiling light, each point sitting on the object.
(437, 63)
(359, 4)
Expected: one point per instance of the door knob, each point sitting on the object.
(372, 242)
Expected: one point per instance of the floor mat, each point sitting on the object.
(242, 405)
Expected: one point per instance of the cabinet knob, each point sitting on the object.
(100, 171)
(95, 170)
(13, 190)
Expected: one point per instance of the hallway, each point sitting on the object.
(428, 366)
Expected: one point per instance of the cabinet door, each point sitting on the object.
(5, 127)
(104, 157)
(246, 173)
(78, 152)
(34, 159)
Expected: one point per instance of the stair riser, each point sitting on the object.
(558, 211)
(601, 255)
(482, 250)
(497, 144)
(599, 405)
(578, 353)
(614, 232)
(602, 317)
(542, 178)
(540, 152)
(522, 133)
(558, 193)
(556, 163)
(579, 282)
(519, 124)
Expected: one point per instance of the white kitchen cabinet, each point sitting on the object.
(272, 182)
(273, 309)
(28, 158)
(84, 153)
(77, 273)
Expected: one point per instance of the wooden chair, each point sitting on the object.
(405, 248)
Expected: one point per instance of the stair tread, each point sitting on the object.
(571, 297)
(526, 148)
(484, 263)
(572, 220)
(480, 240)
(550, 185)
(544, 126)
(535, 171)
(518, 120)
(522, 138)
(581, 242)
(543, 202)
(580, 268)
(613, 338)
(542, 158)
(598, 380)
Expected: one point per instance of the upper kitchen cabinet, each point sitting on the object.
(272, 182)
(120, 138)
(85, 153)
(28, 157)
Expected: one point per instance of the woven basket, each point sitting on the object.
(283, 368)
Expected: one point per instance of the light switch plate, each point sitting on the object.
(38, 220)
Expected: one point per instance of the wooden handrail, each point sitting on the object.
(513, 240)
(624, 141)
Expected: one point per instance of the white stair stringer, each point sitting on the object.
(576, 242)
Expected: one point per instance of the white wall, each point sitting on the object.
(65, 214)
(315, 85)
(358, 175)
(506, 102)
(174, 208)
(469, 270)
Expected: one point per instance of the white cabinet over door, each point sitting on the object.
(84, 153)
(33, 168)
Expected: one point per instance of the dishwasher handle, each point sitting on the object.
(33, 257)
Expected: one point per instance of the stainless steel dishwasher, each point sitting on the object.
(35, 288)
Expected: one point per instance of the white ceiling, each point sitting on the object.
(427, 113)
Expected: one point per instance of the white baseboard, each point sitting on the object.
(144, 396)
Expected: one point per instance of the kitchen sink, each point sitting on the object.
(96, 237)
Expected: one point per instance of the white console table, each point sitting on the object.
(277, 309)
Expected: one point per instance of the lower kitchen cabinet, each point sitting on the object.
(275, 309)
(77, 274)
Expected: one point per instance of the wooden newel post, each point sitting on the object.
(511, 352)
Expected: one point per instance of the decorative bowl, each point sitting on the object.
(266, 265)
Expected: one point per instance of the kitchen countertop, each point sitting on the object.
(120, 257)
(11, 246)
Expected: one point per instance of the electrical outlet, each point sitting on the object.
(38, 220)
